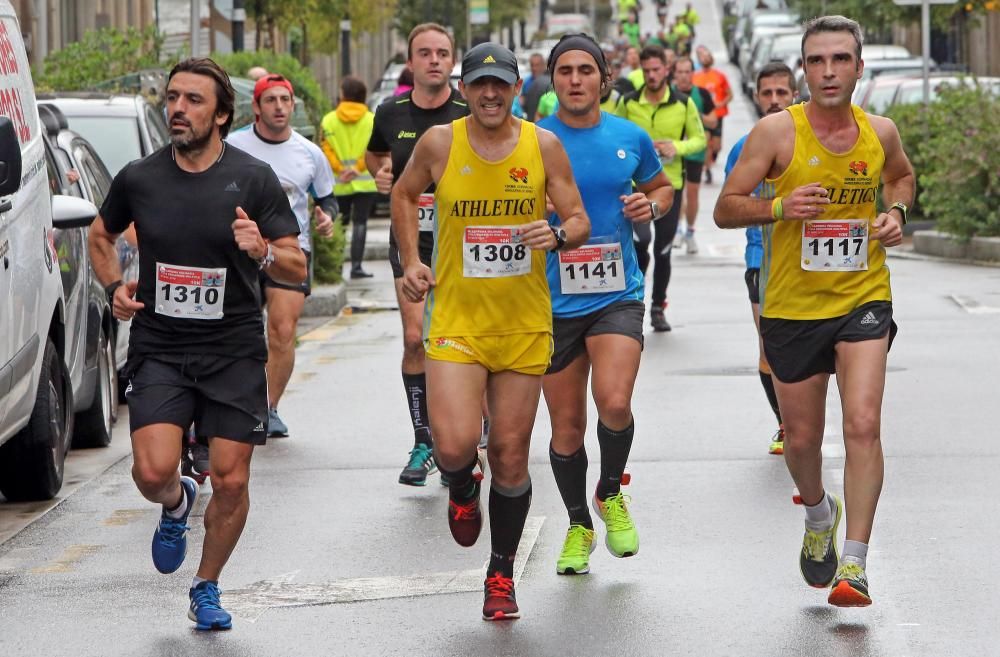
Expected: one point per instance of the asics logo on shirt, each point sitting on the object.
(403, 134)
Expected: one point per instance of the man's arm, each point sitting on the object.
(657, 189)
(104, 260)
(281, 257)
(898, 182)
(562, 190)
(380, 165)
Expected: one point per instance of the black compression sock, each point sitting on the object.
(772, 396)
(461, 485)
(615, 446)
(508, 511)
(571, 478)
(416, 399)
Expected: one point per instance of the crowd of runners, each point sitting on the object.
(519, 252)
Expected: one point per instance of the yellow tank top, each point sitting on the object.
(788, 288)
(487, 283)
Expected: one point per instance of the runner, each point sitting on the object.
(775, 92)
(711, 78)
(826, 305)
(399, 123)
(673, 121)
(695, 162)
(488, 326)
(346, 133)
(303, 171)
(209, 217)
(597, 299)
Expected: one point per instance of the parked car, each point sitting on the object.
(93, 183)
(747, 25)
(875, 95)
(120, 128)
(874, 67)
(773, 43)
(912, 91)
(36, 398)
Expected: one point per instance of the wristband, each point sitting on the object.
(268, 258)
(109, 290)
(777, 212)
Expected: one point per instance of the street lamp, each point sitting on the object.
(239, 18)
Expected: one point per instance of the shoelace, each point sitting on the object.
(419, 456)
(851, 571)
(816, 544)
(207, 597)
(616, 515)
(498, 585)
(465, 511)
(172, 530)
(578, 541)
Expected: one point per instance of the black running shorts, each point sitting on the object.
(426, 250)
(224, 397)
(799, 349)
(305, 287)
(693, 171)
(752, 277)
(570, 333)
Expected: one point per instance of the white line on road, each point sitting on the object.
(250, 602)
(973, 307)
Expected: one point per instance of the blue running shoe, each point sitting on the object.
(275, 427)
(170, 537)
(206, 610)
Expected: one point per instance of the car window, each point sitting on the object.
(91, 174)
(64, 164)
(55, 178)
(115, 138)
(157, 133)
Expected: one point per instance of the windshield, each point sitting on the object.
(115, 138)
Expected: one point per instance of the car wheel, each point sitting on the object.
(93, 426)
(31, 463)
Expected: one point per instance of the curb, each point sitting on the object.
(945, 245)
(325, 301)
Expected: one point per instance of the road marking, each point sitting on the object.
(69, 558)
(321, 333)
(250, 602)
(973, 307)
(124, 517)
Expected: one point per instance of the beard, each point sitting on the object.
(191, 140)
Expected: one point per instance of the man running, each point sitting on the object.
(399, 123)
(711, 78)
(597, 299)
(303, 171)
(673, 121)
(695, 162)
(775, 92)
(826, 306)
(209, 218)
(488, 326)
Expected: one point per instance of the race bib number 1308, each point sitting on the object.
(494, 252)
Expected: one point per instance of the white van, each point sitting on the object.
(36, 418)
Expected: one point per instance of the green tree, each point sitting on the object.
(316, 23)
(100, 55)
(453, 13)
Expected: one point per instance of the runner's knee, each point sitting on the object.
(615, 409)
(508, 463)
(862, 428)
(153, 479)
(281, 333)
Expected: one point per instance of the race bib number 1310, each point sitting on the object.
(190, 292)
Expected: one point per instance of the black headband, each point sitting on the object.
(578, 42)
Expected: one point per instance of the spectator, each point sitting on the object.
(405, 81)
(256, 72)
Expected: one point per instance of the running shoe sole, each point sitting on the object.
(228, 625)
(500, 616)
(845, 595)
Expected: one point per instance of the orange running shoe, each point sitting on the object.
(499, 602)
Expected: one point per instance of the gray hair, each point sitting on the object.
(833, 24)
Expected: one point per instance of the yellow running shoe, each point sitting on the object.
(850, 586)
(818, 559)
(621, 537)
(577, 548)
(777, 442)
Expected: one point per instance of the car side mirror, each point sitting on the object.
(10, 158)
(72, 212)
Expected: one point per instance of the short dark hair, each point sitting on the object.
(684, 58)
(427, 27)
(833, 24)
(353, 90)
(225, 95)
(773, 69)
(651, 52)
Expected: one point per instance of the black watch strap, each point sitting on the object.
(109, 290)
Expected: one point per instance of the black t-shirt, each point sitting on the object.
(399, 123)
(187, 253)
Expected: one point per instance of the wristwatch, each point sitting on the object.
(109, 290)
(654, 208)
(903, 210)
(560, 235)
(268, 257)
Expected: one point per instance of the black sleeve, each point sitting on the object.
(271, 210)
(329, 205)
(377, 142)
(116, 211)
(709, 104)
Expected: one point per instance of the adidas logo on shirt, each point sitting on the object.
(232, 187)
(869, 318)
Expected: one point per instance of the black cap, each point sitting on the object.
(490, 59)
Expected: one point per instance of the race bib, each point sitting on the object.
(593, 268)
(494, 252)
(190, 292)
(840, 245)
(426, 212)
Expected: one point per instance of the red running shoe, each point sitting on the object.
(466, 520)
(499, 602)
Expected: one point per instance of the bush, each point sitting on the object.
(306, 86)
(328, 255)
(99, 55)
(954, 145)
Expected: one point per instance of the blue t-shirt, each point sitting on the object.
(606, 159)
(755, 245)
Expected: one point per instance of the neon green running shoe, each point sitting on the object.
(850, 586)
(818, 559)
(621, 537)
(577, 548)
